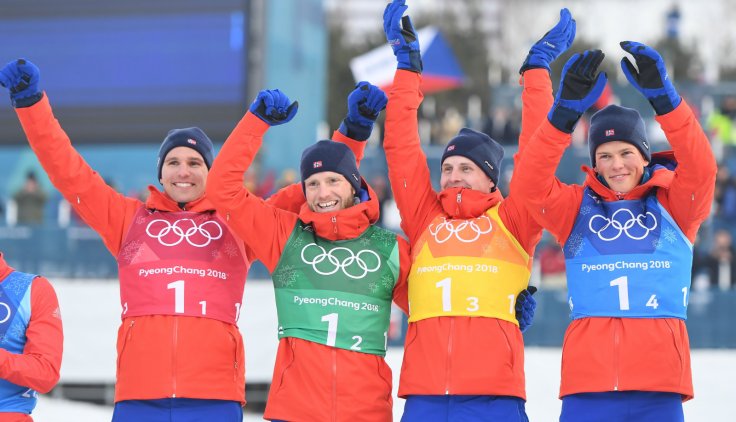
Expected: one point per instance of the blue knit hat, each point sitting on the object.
(330, 156)
(478, 148)
(616, 123)
(191, 137)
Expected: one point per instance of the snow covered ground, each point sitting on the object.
(714, 372)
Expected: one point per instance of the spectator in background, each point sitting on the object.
(721, 120)
(30, 201)
(31, 342)
(718, 265)
(502, 124)
(725, 194)
(552, 266)
(720, 126)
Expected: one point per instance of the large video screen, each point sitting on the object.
(151, 64)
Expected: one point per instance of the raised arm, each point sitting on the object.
(546, 197)
(536, 95)
(100, 206)
(690, 195)
(407, 165)
(263, 228)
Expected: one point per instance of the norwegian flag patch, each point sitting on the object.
(192, 141)
(610, 132)
(317, 164)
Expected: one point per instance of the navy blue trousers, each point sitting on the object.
(177, 410)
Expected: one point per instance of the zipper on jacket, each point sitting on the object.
(173, 357)
(334, 223)
(79, 202)
(616, 325)
(334, 383)
(449, 355)
(459, 199)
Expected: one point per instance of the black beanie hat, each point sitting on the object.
(479, 148)
(330, 156)
(616, 123)
(191, 137)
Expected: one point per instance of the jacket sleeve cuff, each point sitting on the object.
(676, 118)
(358, 147)
(536, 77)
(40, 111)
(255, 124)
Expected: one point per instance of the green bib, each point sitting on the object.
(337, 293)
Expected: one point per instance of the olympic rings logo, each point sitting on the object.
(633, 221)
(351, 263)
(172, 234)
(467, 231)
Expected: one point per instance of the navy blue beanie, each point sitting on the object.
(330, 156)
(478, 148)
(616, 123)
(191, 137)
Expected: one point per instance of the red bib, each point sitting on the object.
(181, 263)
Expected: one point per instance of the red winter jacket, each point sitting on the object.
(458, 355)
(619, 354)
(159, 356)
(311, 382)
(38, 366)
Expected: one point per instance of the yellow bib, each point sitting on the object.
(472, 267)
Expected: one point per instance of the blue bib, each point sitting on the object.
(15, 313)
(627, 259)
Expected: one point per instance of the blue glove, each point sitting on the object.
(525, 307)
(21, 78)
(651, 79)
(272, 106)
(364, 104)
(555, 42)
(579, 89)
(401, 36)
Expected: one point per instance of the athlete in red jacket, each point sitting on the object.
(182, 270)
(31, 342)
(334, 273)
(627, 235)
(471, 248)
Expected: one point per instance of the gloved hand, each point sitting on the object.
(579, 89)
(21, 78)
(555, 42)
(525, 307)
(651, 79)
(272, 106)
(364, 104)
(401, 36)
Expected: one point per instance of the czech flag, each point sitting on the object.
(441, 69)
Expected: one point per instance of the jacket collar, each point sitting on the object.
(345, 224)
(467, 203)
(661, 167)
(160, 201)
